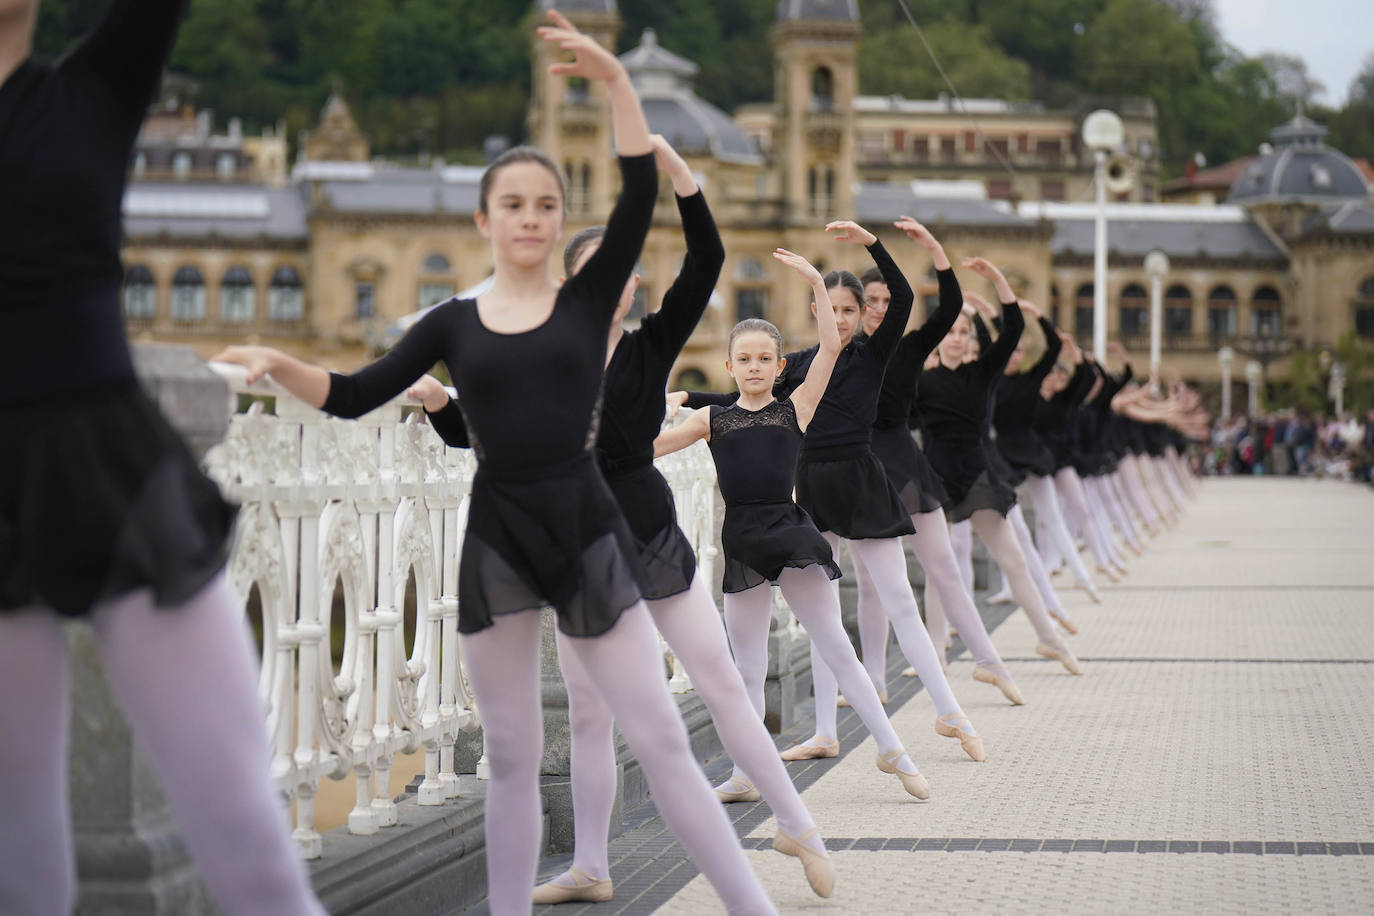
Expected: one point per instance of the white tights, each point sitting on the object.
(1050, 527)
(1109, 513)
(945, 591)
(692, 626)
(626, 668)
(1074, 499)
(1034, 566)
(186, 678)
(1000, 539)
(816, 604)
(1137, 494)
(882, 563)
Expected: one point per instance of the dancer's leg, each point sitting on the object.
(1047, 512)
(884, 561)
(1000, 539)
(692, 626)
(37, 870)
(627, 669)
(748, 618)
(812, 599)
(1070, 497)
(593, 766)
(873, 632)
(187, 679)
(932, 548)
(1038, 575)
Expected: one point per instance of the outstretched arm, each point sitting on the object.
(1053, 347)
(884, 340)
(994, 359)
(927, 337)
(695, 427)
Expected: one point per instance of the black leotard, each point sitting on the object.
(1014, 414)
(633, 408)
(543, 527)
(764, 531)
(98, 495)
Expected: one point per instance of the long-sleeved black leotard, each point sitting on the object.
(1014, 414)
(1055, 417)
(633, 408)
(955, 404)
(906, 465)
(543, 528)
(82, 439)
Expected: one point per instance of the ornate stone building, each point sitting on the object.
(330, 265)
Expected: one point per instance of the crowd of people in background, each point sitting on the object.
(1294, 443)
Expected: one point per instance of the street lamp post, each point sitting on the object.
(1156, 265)
(1225, 357)
(1102, 133)
(1253, 371)
(1338, 388)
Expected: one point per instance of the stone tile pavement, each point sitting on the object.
(1216, 757)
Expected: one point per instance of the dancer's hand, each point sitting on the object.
(429, 392)
(921, 236)
(259, 361)
(988, 270)
(800, 264)
(976, 300)
(676, 401)
(846, 230)
(671, 163)
(590, 60)
(1030, 308)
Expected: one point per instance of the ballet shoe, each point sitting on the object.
(841, 702)
(912, 672)
(1003, 597)
(827, 747)
(820, 871)
(947, 726)
(1004, 684)
(1063, 620)
(728, 795)
(953, 631)
(586, 888)
(1121, 569)
(914, 783)
(1093, 594)
(1108, 573)
(1063, 656)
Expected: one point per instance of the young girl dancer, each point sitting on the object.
(767, 537)
(637, 367)
(104, 515)
(953, 398)
(918, 486)
(543, 528)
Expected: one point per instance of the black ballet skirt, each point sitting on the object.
(917, 485)
(845, 490)
(668, 562)
(1000, 468)
(1026, 454)
(550, 535)
(764, 531)
(986, 492)
(99, 497)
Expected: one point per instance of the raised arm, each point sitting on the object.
(922, 341)
(1053, 347)
(602, 278)
(668, 328)
(883, 343)
(127, 52)
(809, 393)
(695, 427)
(994, 359)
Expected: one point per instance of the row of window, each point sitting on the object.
(237, 295)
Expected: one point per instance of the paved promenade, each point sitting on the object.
(1218, 755)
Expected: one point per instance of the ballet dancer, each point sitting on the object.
(543, 527)
(766, 536)
(637, 366)
(104, 514)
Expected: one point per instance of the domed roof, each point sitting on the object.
(663, 81)
(843, 10)
(1299, 168)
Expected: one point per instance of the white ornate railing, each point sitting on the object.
(368, 504)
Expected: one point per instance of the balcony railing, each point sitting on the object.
(369, 504)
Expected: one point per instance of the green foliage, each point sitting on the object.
(441, 75)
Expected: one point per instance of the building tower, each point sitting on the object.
(816, 79)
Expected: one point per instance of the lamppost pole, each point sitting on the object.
(1253, 371)
(1338, 388)
(1226, 356)
(1156, 265)
(1102, 133)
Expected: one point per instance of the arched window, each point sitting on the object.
(1221, 312)
(286, 297)
(437, 264)
(822, 89)
(225, 165)
(236, 305)
(751, 295)
(691, 380)
(1178, 311)
(140, 293)
(188, 295)
(1364, 307)
(751, 269)
(181, 165)
(1083, 311)
(1135, 312)
(1266, 312)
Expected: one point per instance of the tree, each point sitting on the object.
(1138, 47)
(1297, 86)
(1361, 90)
(893, 62)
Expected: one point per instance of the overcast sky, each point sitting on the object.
(1333, 36)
